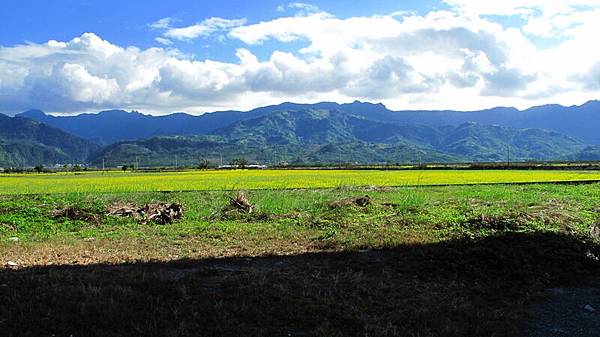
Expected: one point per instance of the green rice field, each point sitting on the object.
(270, 179)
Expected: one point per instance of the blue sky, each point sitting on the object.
(70, 56)
(126, 22)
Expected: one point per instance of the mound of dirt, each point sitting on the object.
(360, 201)
(75, 213)
(498, 222)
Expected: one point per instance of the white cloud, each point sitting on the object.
(519, 7)
(163, 23)
(591, 78)
(163, 41)
(202, 29)
(544, 18)
(444, 59)
(419, 53)
(304, 8)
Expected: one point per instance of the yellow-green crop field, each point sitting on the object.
(269, 179)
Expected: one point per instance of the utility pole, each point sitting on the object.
(508, 155)
(416, 161)
(137, 163)
(103, 164)
(418, 156)
(176, 162)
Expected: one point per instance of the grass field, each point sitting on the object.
(269, 179)
(416, 261)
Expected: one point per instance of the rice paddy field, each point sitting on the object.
(112, 181)
(315, 253)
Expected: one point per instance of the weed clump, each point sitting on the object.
(238, 208)
(240, 204)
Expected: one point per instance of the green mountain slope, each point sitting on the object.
(333, 136)
(25, 142)
(589, 153)
(192, 150)
(496, 143)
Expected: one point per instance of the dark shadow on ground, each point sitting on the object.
(567, 312)
(456, 288)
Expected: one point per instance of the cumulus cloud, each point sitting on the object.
(455, 59)
(420, 54)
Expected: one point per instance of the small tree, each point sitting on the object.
(203, 164)
(39, 169)
(240, 162)
(124, 168)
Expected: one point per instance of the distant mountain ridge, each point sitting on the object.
(581, 122)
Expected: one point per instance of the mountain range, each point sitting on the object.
(106, 127)
(304, 133)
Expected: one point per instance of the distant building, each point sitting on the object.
(254, 167)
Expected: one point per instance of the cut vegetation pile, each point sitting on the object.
(240, 204)
(162, 214)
